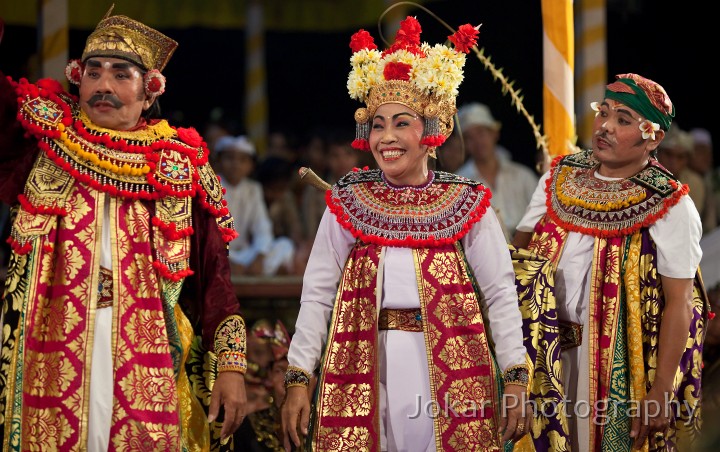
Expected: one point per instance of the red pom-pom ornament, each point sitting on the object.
(74, 71)
(154, 83)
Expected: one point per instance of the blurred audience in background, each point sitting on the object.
(451, 155)
(675, 153)
(255, 251)
(512, 184)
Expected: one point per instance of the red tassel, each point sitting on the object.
(433, 140)
(18, 248)
(361, 144)
(711, 315)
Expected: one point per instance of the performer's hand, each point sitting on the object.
(296, 405)
(516, 415)
(228, 391)
(654, 417)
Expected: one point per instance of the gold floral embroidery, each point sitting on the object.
(344, 439)
(150, 389)
(443, 269)
(147, 436)
(73, 262)
(137, 221)
(46, 429)
(469, 434)
(56, 318)
(362, 272)
(471, 395)
(347, 400)
(147, 332)
(459, 309)
(462, 349)
(351, 357)
(49, 374)
(357, 319)
(141, 275)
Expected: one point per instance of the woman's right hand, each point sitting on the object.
(295, 414)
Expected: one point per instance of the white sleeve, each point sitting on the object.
(677, 239)
(489, 258)
(330, 250)
(537, 207)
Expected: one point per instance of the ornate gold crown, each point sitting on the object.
(419, 76)
(122, 37)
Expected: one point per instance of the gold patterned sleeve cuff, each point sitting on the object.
(296, 376)
(230, 340)
(517, 375)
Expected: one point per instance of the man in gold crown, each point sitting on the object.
(121, 330)
(421, 332)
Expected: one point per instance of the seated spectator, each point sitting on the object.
(512, 184)
(674, 153)
(341, 158)
(702, 162)
(255, 251)
(275, 174)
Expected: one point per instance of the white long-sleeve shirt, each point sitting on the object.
(486, 251)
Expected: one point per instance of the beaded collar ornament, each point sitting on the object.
(419, 76)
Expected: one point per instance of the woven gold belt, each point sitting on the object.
(105, 293)
(400, 319)
(570, 334)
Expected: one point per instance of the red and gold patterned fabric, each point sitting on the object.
(463, 374)
(168, 222)
(625, 303)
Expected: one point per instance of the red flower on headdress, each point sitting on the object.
(409, 32)
(362, 40)
(397, 71)
(73, 71)
(465, 37)
(407, 38)
(154, 83)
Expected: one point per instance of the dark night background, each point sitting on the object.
(670, 42)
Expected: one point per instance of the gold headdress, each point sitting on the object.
(122, 37)
(419, 76)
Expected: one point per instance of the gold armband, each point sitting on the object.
(517, 375)
(296, 376)
(230, 339)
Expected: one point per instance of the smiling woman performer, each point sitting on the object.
(406, 265)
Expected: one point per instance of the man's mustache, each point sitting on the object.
(95, 98)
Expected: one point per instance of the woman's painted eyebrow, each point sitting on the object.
(395, 116)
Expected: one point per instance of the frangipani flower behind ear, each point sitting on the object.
(648, 129)
(596, 107)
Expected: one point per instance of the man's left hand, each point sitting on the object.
(516, 415)
(229, 391)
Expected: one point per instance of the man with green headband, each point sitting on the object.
(617, 341)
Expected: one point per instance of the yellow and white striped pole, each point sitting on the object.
(256, 110)
(592, 56)
(54, 50)
(558, 67)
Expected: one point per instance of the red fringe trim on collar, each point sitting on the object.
(409, 242)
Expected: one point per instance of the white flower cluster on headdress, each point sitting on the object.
(424, 77)
(439, 71)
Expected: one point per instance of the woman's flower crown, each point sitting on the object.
(423, 77)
